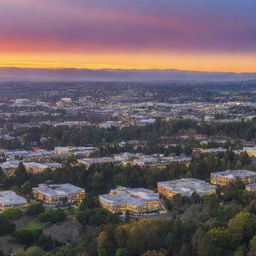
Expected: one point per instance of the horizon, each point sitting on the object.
(182, 35)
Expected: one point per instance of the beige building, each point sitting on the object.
(59, 194)
(224, 177)
(134, 200)
(185, 187)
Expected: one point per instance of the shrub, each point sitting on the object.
(35, 209)
(6, 227)
(53, 216)
(27, 236)
(12, 213)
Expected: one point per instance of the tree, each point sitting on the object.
(242, 227)
(35, 209)
(12, 213)
(122, 252)
(216, 242)
(32, 251)
(6, 227)
(20, 175)
(53, 215)
(96, 217)
(106, 243)
(26, 187)
(252, 251)
(153, 253)
(27, 236)
(47, 243)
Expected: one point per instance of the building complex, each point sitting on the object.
(225, 177)
(185, 187)
(133, 200)
(59, 194)
(11, 199)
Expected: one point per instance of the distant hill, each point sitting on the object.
(22, 74)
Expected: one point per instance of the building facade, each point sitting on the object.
(59, 194)
(185, 187)
(134, 200)
(225, 177)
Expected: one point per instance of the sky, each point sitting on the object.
(202, 35)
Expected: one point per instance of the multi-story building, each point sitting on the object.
(133, 200)
(59, 194)
(185, 187)
(11, 199)
(251, 151)
(224, 177)
(251, 187)
(98, 160)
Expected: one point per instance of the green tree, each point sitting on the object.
(53, 215)
(20, 175)
(12, 213)
(27, 236)
(242, 227)
(35, 209)
(122, 252)
(6, 227)
(252, 251)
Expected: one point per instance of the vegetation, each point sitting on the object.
(53, 216)
(6, 226)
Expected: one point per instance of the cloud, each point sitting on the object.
(128, 25)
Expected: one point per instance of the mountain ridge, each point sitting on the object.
(74, 74)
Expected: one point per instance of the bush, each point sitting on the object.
(35, 209)
(47, 243)
(32, 251)
(97, 217)
(12, 213)
(122, 252)
(53, 216)
(6, 227)
(27, 236)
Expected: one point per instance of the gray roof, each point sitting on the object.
(233, 174)
(187, 186)
(98, 160)
(131, 196)
(9, 198)
(58, 190)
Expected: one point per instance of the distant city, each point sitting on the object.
(122, 151)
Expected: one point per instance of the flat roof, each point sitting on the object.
(34, 165)
(11, 198)
(187, 186)
(233, 174)
(131, 196)
(252, 185)
(98, 160)
(58, 190)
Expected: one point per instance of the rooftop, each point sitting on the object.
(131, 196)
(232, 174)
(57, 190)
(187, 186)
(11, 198)
(97, 160)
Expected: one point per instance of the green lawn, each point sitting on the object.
(34, 224)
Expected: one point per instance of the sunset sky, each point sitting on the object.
(204, 35)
